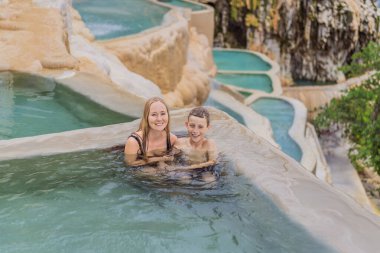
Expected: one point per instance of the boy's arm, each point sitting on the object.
(197, 166)
(212, 151)
(211, 154)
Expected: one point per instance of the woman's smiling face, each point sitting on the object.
(158, 116)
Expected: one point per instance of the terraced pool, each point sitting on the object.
(89, 202)
(260, 82)
(281, 116)
(235, 60)
(32, 105)
(116, 18)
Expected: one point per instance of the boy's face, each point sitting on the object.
(197, 128)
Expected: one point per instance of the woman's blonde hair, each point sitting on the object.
(144, 123)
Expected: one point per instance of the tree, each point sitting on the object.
(358, 111)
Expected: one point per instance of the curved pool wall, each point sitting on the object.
(281, 115)
(193, 6)
(243, 114)
(297, 146)
(239, 62)
(32, 105)
(247, 82)
(279, 178)
(201, 17)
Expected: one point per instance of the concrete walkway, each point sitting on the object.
(344, 176)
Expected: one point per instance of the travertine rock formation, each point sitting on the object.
(176, 59)
(49, 37)
(32, 38)
(310, 39)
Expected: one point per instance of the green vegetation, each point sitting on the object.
(363, 61)
(358, 111)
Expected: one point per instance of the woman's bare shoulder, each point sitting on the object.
(173, 138)
(131, 146)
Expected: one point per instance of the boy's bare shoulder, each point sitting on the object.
(209, 143)
(181, 141)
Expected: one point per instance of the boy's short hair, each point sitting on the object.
(200, 112)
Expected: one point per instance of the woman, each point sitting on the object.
(153, 141)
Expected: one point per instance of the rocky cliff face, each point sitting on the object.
(310, 39)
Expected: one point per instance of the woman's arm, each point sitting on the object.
(130, 154)
(132, 161)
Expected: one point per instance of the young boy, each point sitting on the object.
(198, 151)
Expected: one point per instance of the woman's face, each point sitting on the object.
(158, 116)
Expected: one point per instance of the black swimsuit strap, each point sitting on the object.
(168, 143)
(139, 141)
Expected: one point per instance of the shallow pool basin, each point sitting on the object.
(281, 116)
(236, 60)
(117, 18)
(90, 202)
(260, 82)
(32, 105)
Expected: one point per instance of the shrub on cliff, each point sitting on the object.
(366, 60)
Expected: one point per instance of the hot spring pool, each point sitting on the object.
(235, 60)
(260, 82)
(32, 105)
(281, 116)
(89, 202)
(116, 18)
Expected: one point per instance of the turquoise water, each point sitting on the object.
(184, 4)
(89, 202)
(233, 114)
(239, 61)
(31, 105)
(116, 18)
(281, 115)
(260, 82)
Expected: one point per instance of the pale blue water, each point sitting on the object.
(116, 18)
(281, 116)
(31, 105)
(89, 202)
(239, 61)
(184, 4)
(233, 114)
(260, 82)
